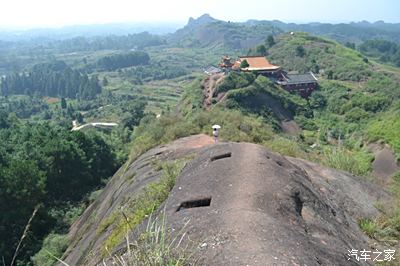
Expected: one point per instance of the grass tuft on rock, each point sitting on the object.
(127, 218)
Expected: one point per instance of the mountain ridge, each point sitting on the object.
(355, 32)
(210, 172)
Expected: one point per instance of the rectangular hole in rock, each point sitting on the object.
(221, 156)
(298, 203)
(204, 202)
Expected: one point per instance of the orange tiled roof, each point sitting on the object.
(256, 63)
(236, 65)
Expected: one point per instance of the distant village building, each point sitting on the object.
(304, 84)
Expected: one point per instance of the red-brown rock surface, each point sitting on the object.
(243, 205)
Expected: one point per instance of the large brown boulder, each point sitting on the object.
(244, 205)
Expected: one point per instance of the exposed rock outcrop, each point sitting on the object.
(385, 164)
(89, 233)
(245, 206)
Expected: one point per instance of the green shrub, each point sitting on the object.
(141, 207)
(356, 114)
(286, 147)
(396, 177)
(386, 127)
(357, 163)
(368, 226)
(94, 195)
(386, 228)
(236, 126)
(155, 246)
(305, 123)
(53, 247)
(235, 81)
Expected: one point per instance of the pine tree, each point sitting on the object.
(63, 103)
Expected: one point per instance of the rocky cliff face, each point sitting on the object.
(206, 31)
(240, 204)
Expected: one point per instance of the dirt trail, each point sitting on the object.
(209, 85)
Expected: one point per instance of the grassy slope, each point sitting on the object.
(345, 63)
(361, 95)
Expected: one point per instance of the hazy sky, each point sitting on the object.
(54, 13)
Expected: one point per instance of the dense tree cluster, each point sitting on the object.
(235, 80)
(53, 79)
(386, 51)
(270, 41)
(133, 113)
(130, 41)
(117, 61)
(23, 107)
(47, 166)
(153, 72)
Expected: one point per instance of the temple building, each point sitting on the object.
(304, 84)
(226, 63)
(258, 64)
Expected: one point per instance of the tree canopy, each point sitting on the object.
(386, 51)
(45, 165)
(244, 64)
(117, 61)
(53, 79)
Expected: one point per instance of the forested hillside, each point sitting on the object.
(48, 169)
(117, 61)
(384, 51)
(53, 79)
(354, 32)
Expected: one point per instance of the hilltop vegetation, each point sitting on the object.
(385, 51)
(302, 52)
(353, 94)
(354, 32)
(354, 98)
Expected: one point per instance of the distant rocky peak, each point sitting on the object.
(203, 19)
